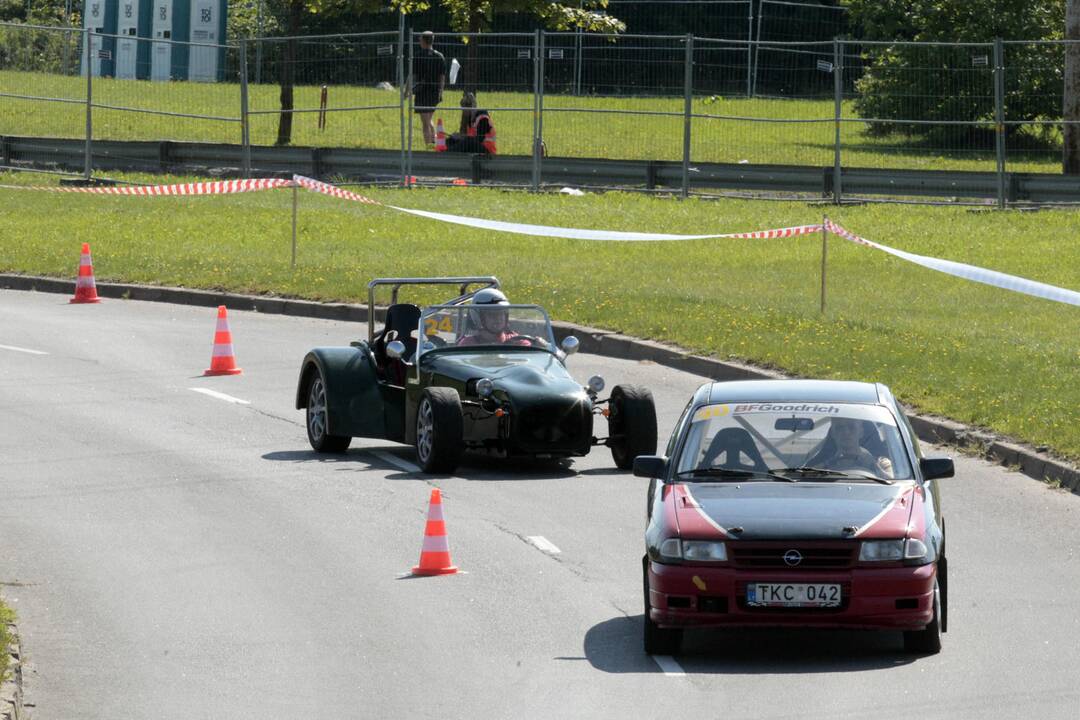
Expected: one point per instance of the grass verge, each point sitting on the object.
(977, 354)
(7, 615)
(730, 130)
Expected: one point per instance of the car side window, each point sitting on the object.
(674, 439)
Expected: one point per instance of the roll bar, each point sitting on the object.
(463, 284)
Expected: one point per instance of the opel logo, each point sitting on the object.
(792, 557)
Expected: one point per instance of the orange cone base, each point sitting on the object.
(81, 301)
(230, 371)
(434, 571)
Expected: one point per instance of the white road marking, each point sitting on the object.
(23, 350)
(542, 543)
(669, 666)
(395, 461)
(220, 396)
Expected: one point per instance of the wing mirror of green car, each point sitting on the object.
(395, 349)
(650, 466)
(570, 344)
(937, 467)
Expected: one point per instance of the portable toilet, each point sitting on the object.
(99, 17)
(201, 23)
(132, 51)
(161, 47)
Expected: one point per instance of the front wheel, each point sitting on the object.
(928, 640)
(439, 430)
(321, 440)
(631, 424)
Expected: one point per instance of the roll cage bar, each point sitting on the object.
(395, 284)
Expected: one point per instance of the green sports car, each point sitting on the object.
(461, 376)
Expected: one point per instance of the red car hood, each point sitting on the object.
(803, 510)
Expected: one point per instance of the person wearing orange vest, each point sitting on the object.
(477, 131)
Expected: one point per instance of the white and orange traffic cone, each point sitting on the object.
(85, 288)
(223, 360)
(435, 554)
(440, 137)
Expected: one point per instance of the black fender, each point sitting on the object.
(354, 401)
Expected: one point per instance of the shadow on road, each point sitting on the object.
(615, 646)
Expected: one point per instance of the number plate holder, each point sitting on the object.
(808, 595)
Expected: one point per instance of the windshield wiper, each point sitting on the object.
(806, 471)
(733, 473)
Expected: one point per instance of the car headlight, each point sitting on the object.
(596, 383)
(881, 551)
(703, 551)
(693, 550)
(485, 387)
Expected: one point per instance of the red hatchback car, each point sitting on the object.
(794, 503)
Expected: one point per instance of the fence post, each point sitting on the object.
(88, 40)
(402, 117)
(245, 119)
(757, 51)
(688, 99)
(577, 57)
(258, 40)
(838, 99)
(295, 210)
(824, 255)
(538, 100)
(407, 89)
(999, 117)
(749, 46)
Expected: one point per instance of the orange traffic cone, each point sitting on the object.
(440, 137)
(435, 554)
(223, 361)
(85, 289)
(459, 181)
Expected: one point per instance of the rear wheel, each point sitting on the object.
(439, 430)
(321, 440)
(658, 640)
(928, 640)
(631, 424)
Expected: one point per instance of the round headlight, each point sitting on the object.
(485, 387)
(596, 383)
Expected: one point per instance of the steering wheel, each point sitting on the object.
(435, 340)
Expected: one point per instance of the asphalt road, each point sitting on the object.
(173, 554)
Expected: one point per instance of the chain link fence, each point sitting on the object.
(841, 104)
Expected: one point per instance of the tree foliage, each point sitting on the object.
(943, 83)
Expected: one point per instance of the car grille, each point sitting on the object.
(549, 427)
(815, 556)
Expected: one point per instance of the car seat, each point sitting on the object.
(402, 321)
(727, 448)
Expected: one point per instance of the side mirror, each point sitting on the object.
(938, 467)
(570, 344)
(395, 349)
(650, 466)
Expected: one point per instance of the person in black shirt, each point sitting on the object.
(429, 78)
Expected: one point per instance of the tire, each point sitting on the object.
(658, 640)
(928, 640)
(439, 429)
(632, 421)
(321, 441)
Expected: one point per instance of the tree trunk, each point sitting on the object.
(1071, 109)
(471, 71)
(288, 74)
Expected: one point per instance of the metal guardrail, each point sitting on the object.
(384, 166)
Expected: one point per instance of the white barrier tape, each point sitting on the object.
(968, 272)
(217, 187)
(548, 230)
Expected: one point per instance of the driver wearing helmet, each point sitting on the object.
(490, 324)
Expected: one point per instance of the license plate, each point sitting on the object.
(793, 594)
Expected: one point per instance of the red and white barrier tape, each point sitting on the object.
(217, 187)
(968, 272)
(221, 187)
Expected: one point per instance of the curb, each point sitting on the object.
(11, 695)
(1030, 461)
